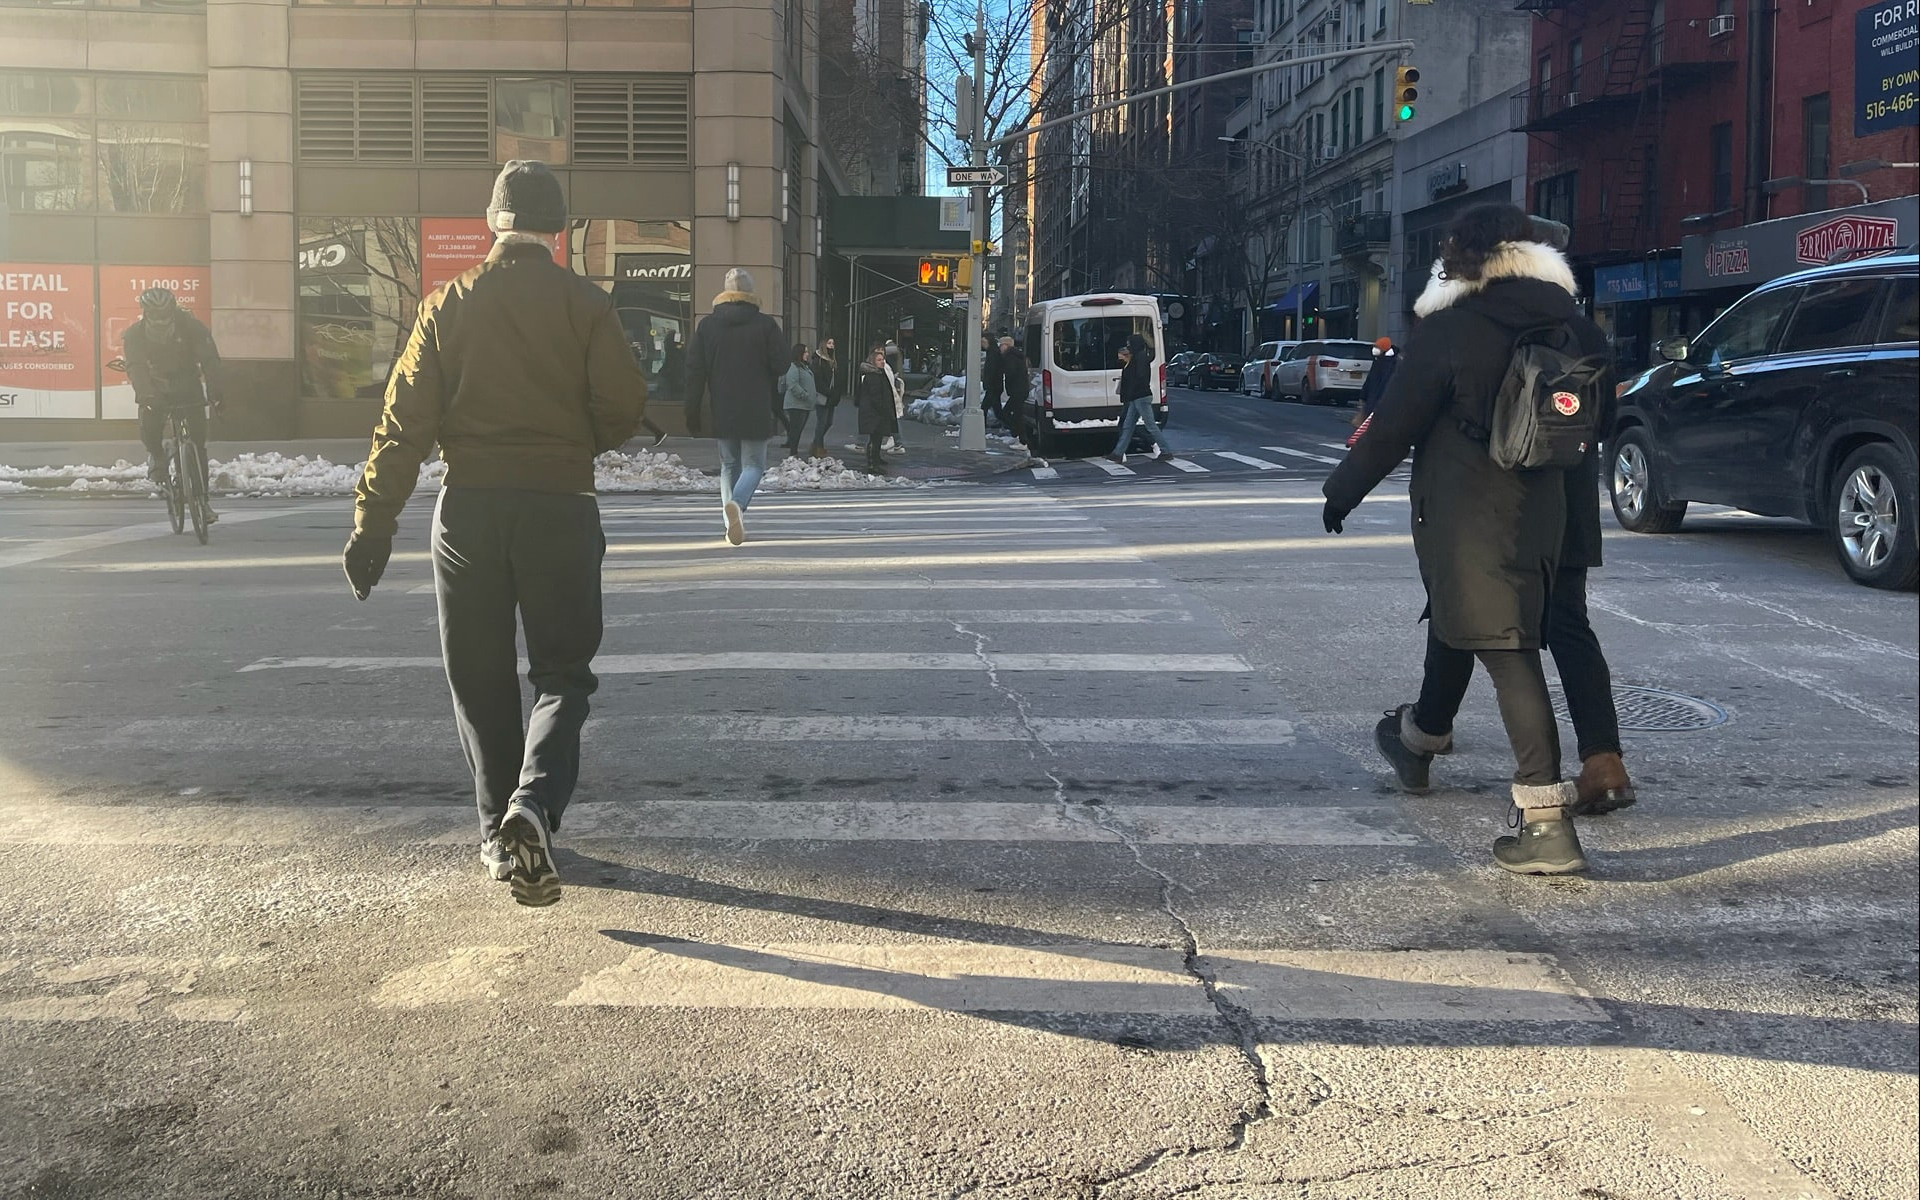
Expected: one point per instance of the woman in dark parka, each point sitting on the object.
(1488, 539)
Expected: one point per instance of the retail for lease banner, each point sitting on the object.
(1886, 66)
(120, 289)
(449, 245)
(46, 341)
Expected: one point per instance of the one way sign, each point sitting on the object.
(975, 177)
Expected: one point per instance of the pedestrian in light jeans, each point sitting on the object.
(1136, 398)
(734, 365)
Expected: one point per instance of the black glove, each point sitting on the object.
(1334, 517)
(365, 560)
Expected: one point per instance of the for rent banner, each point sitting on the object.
(120, 289)
(1886, 66)
(449, 245)
(46, 340)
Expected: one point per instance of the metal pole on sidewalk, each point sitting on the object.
(973, 421)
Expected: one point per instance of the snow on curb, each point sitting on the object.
(943, 405)
(274, 474)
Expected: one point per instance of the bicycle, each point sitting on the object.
(185, 488)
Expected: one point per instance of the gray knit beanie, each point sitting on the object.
(527, 199)
(739, 281)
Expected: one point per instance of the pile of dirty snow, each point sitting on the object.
(825, 475)
(943, 405)
(647, 472)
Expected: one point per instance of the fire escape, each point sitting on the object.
(1620, 100)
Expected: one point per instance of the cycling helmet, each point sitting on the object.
(157, 300)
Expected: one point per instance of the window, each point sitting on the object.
(1720, 165)
(112, 143)
(358, 280)
(1093, 343)
(530, 119)
(1901, 323)
(1379, 102)
(1831, 315)
(1746, 329)
(1816, 139)
(1576, 58)
(151, 167)
(1553, 197)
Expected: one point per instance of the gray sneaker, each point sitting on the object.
(523, 835)
(494, 856)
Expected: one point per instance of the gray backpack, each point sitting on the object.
(1547, 412)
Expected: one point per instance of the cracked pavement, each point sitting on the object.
(986, 912)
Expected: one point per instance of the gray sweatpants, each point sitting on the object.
(495, 551)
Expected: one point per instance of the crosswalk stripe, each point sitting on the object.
(1111, 468)
(1248, 459)
(832, 584)
(958, 976)
(1187, 465)
(326, 736)
(1045, 473)
(702, 820)
(1319, 458)
(751, 660)
(902, 616)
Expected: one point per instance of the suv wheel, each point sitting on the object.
(1638, 503)
(1873, 520)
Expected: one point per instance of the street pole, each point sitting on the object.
(973, 422)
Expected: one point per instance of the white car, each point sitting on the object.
(1323, 372)
(1256, 377)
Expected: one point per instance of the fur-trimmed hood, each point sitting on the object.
(735, 298)
(1509, 260)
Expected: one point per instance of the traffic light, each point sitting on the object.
(963, 275)
(936, 272)
(1405, 92)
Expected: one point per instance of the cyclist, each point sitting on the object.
(172, 364)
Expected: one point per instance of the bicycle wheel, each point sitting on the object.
(195, 490)
(172, 488)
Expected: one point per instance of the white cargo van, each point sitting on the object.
(1073, 348)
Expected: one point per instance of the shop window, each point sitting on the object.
(150, 167)
(47, 168)
(358, 281)
(648, 266)
(530, 119)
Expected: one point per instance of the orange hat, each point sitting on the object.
(1383, 344)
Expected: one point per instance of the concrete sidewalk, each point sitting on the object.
(931, 453)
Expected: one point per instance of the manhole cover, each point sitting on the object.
(1650, 710)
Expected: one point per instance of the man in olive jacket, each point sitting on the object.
(520, 371)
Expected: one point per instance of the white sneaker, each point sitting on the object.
(896, 449)
(736, 524)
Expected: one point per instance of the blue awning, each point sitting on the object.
(1297, 297)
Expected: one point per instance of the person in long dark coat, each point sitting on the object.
(873, 394)
(1489, 540)
(1016, 375)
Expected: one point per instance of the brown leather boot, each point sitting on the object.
(1603, 785)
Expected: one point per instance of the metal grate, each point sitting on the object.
(456, 121)
(1650, 710)
(638, 121)
(347, 119)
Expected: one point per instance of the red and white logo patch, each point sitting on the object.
(1566, 403)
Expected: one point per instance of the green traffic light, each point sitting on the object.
(1406, 112)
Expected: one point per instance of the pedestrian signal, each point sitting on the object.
(1405, 92)
(937, 272)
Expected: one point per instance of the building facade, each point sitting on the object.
(304, 173)
(1666, 132)
(1317, 164)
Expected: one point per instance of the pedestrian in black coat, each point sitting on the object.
(1489, 541)
(827, 383)
(1018, 380)
(873, 393)
(993, 379)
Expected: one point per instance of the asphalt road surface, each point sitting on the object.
(1019, 841)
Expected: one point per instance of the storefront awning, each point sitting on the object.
(1297, 297)
(1752, 254)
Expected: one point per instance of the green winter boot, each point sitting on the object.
(1546, 843)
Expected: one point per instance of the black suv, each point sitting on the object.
(1799, 401)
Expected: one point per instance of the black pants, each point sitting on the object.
(876, 462)
(153, 431)
(795, 420)
(822, 421)
(1584, 674)
(1521, 688)
(495, 551)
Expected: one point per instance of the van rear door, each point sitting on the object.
(1086, 356)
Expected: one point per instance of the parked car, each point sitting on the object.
(1178, 367)
(1211, 371)
(1798, 401)
(1324, 372)
(1256, 374)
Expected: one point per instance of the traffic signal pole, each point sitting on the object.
(973, 421)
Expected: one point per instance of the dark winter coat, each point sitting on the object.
(993, 373)
(874, 394)
(520, 370)
(734, 366)
(1017, 374)
(167, 370)
(1136, 378)
(826, 377)
(1378, 377)
(1489, 540)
